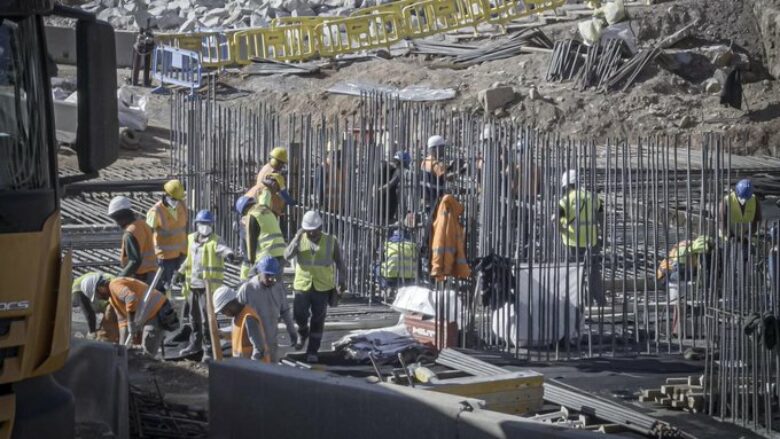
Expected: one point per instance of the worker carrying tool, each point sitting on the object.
(137, 252)
(265, 294)
(247, 338)
(739, 213)
(91, 304)
(143, 317)
(168, 220)
(263, 236)
(435, 172)
(681, 266)
(205, 264)
(578, 219)
(400, 260)
(391, 174)
(318, 258)
(275, 165)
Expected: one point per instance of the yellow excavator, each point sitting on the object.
(35, 302)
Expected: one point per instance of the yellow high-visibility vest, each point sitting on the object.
(579, 219)
(315, 269)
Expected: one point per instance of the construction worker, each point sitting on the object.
(248, 339)
(128, 298)
(205, 264)
(108, 329)
(739, 213)
(268, 297)
(578, 222)
(273, 189)
(391, 174)
(318, 257)
(681, 266)
(275, 165)
(137, 252)
(262, 233)
(168, 220)
(435, 173)
(401, 256)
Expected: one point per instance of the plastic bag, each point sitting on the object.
(590, 30)
(614, 12)
(132, 110)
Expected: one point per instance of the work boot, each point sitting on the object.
(312, 358)
(190, 350)
(301, 343)
(180, 337)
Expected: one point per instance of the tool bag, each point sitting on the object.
(167, 317)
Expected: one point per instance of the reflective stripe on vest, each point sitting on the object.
(580, 229)
(126, 295)
(315, 269)
(212, 264)
(143, 236)
(270, 242)
(400, 260)
(242, 347)
(170, 233)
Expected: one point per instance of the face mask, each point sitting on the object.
(204, 229)
(171, 202)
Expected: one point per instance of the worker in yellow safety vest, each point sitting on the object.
(136, 254)
(168, 220)
(263, 236)
(739, 213)
(204, 265)
(90, 305)
(275, 165)
(318, 257)
(401, 258)
(578, 218)
(247, 335)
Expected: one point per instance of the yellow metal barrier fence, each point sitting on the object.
(353, 34)
(289, 42)
(429, 17)
(215, 48)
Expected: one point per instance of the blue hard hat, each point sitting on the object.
(268, 265)
(243, 202)
(744, 189)
(204, 216)
(403, 157)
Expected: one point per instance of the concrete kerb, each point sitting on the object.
(247, 398)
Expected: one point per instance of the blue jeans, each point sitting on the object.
(169, 268)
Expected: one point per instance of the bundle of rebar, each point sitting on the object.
(468, 54)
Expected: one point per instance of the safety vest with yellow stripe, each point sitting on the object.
(740, 217)
(242, 347)
(270, 242)
(579, 219)
(212, 265)
(400, 260)
(315, 269)
(127, 296)
(170, 233)
(143, 236)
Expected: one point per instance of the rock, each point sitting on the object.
(495, 98)
(722, 56)
(211, 22)
(170, 21)
(157, 11)
(190, 25)
(712, 86)
(500, 113)
(686, 122)
(235, 17)
(498, 84)
(107, 14)
(216, 12)
(533, 93)
(383, 53)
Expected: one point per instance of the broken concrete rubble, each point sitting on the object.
(495, 98)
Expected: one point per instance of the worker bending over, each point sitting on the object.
(144, 318)
(739, 213)
(168, 220)
(317, 256)
(263, 236)
(204, 265)
(275, 165)
(83, 293)
(268, 297)
(247, 337)
(681, 266)
(401, 257)
(578, 219)
(137, 252)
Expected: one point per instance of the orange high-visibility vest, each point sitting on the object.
(126, 295)
(143, 236)
(448, 240)
(170, 233)
(277, 203)
(242, 347)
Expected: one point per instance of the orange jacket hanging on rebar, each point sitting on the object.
(448, 254)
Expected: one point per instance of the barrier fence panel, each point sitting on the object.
(174, 66)
(353, 34)
(430, 17)
(290, 42)
(644, 271)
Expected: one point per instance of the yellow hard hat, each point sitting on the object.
(279, 153)
(175, 189)
(278, 178)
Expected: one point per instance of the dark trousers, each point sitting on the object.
(141, 61)
(198, 318)
(312, 304)
(591, 258)
(169, 268)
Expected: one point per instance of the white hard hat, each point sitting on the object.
(311, 221)
(222, 297)
(119, 203)
(569, 178)
(89, 285)
(435, 141)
